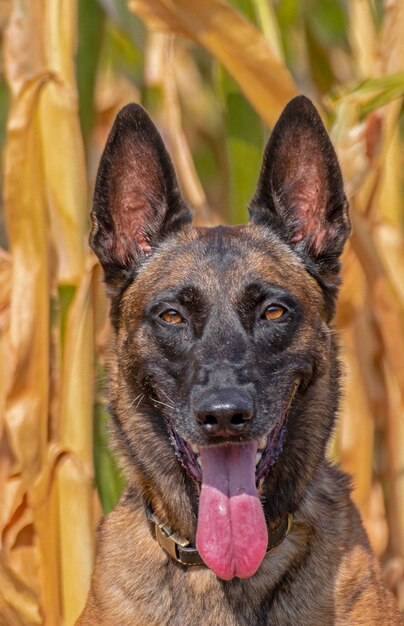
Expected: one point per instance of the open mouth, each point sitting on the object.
(232, 535)
(269, 446)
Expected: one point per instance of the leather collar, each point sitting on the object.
(182, 551)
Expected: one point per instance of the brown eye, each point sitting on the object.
(274, 312)
(171, 316)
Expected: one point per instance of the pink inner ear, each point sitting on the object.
(311, 227)
(138, 195)
(143, 243)
(315, 239)
(298, 237)
(129, 233)
(307, 198)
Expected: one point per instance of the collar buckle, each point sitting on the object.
(169, 540)
(176, 546)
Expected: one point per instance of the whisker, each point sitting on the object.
(138, 398)
(168, 398)
(170, 406)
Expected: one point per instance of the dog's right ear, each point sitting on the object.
(137, 201)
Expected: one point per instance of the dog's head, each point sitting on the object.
(224, 370)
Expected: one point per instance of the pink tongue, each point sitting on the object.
(232, 536)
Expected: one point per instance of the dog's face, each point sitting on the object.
(224, 367)
(221, 327)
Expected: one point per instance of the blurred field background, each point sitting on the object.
(215, 76)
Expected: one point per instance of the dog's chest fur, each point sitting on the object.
(295, 586)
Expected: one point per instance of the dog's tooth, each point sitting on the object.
(195, 448)
(198, 460)
(258, 458)
(262, 442)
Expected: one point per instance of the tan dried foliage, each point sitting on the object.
(47, 419)
(231, 39)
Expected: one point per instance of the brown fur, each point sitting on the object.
(135, 584)
(324, 572)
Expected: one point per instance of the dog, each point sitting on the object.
(224, 387)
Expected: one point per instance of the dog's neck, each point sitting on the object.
(182, 551)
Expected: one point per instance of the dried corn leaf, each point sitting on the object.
(75, 471)
(18, 603)
(5, 294)
(392, 40)
(362, 35)
(45, 184)
(27, 402)
(160, 63)
(358, 419)
(233, 41)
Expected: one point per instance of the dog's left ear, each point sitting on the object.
(300, 193)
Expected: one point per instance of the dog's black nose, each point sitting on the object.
(224, 413)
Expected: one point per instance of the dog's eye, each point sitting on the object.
(171, 316)
(274, 312)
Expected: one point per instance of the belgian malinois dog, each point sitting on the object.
(224, 385)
